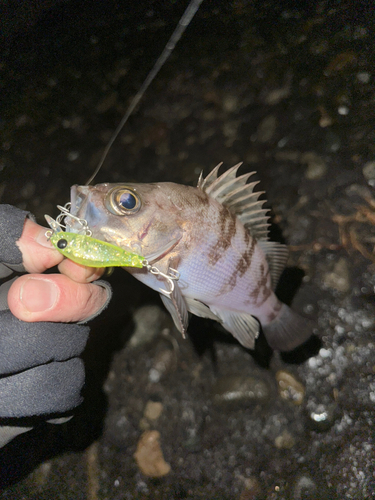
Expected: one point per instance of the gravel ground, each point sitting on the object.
(288, 90)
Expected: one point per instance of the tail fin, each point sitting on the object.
(288, 330)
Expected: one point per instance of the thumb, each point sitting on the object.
(54, 297)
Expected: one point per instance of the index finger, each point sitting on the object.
(38, 255)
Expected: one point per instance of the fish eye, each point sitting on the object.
(62, 244)
(123, 201)
(127, 201)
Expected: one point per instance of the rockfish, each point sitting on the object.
(210, 242)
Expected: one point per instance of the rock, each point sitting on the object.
(369, 172)
(321, 416)
(316, 166)
(266, 129)
(338, 278)
(148, 323)
(237, 388)
(289, 387)
(151, 413)
(252, 491)
(149, 455)
(162, 363)
(285, 440)
(153, 410)
(305, 488)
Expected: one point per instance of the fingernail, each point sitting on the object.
(38, 295)
(43, 240)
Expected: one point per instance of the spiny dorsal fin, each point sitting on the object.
(239, 197)
(203, 184)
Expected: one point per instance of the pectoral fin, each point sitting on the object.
(176, 306)
(244, 327)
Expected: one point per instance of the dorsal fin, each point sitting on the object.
(239, 197)
(203, 184)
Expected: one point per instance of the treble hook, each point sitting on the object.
(172, 276)
(65, 212)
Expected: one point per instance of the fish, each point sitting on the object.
(210, 245)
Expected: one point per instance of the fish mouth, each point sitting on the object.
(78, 200)
(84, 211)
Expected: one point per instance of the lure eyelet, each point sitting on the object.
(123, 201)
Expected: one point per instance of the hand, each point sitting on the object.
(41, 373)
(67, 297)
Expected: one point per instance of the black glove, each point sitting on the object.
(40, 371)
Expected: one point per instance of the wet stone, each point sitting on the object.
(285, 440)
(153, 410)
(305, 488)
(237, 388)
(162, 363)
(148, 324)
(266, 128)
(149, 455)
(118, 429)
(338, 278)
(321, 416)
(289, 387)
(369, 172)
(252, 490)
(316, 166)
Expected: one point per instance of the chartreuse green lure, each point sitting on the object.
(91, 252)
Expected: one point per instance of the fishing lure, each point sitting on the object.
(88, 251)
(91, 252)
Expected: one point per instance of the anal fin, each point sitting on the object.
(244, 327)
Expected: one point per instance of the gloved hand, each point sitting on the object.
(41, 373)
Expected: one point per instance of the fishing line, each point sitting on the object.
(183, 23)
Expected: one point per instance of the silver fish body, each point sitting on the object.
(214, 236)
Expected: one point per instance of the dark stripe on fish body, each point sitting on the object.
(244, 261)
(241, 267)
(227, 230)
(262, 290)
(273, 315)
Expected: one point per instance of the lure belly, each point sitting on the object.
(91, 252)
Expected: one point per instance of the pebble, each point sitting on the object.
(305, 488)
(369, 172)
(253, 490)
(289, 387)
(238, 388)
(148, 324)
(338, 278)
(162, 363)
(285, 441)
(149, 455)
(321, 416)
(153, 410)
(316, 166)
(266, 128)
